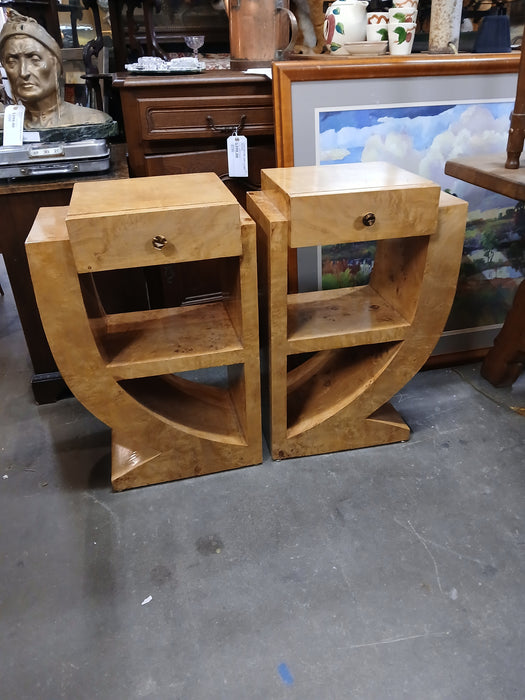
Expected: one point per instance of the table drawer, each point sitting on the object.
(353, 202)
(187, 217)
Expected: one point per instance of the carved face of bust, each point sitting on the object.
(32, 71)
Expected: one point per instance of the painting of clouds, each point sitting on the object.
(421, 138)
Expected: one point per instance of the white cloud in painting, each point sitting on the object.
(423, 144)
(334, 154)
(395, 147)
(332, 147)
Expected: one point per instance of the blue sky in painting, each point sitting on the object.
(419, 138)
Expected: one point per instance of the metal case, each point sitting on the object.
(55, 158)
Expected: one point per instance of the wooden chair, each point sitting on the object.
(122, 37)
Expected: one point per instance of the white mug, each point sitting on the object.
(402, 14)
(401, 38)
(377, 17)
(406, 4)
(377, 32)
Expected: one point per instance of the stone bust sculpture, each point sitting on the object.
(32, 60)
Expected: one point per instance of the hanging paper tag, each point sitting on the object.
(237, 155)
(13, 125)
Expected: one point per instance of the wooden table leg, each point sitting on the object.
(517, 119)
(504, 361)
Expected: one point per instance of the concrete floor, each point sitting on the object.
(385, 573)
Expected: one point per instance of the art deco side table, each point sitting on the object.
(335, 357)
(143, 373)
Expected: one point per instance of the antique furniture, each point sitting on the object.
(504, 361)
(121, 37)
(177, 124)
(155, 28)
(335, 357)
(131, 368)
(44, 11)
(19, 204)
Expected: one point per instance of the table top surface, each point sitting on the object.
(137, 80)
(490, 173)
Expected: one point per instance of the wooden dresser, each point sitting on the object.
(179, 124)
(20, 201)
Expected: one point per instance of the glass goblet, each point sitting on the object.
(194, 43)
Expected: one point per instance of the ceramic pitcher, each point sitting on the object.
(345, 23)
(261, 31)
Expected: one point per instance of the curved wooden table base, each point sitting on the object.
(123, 367)
(361, 344)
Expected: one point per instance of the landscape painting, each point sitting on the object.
(421, 138)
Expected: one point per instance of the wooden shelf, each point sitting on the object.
(193, 408)
(162, 341)
(341, 318)
(328, 382)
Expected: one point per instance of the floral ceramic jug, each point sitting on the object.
(345, 22)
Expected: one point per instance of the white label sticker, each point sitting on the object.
(237, 156)
(46, 151)
(14, 125)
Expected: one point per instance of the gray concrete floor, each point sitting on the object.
(385, 573)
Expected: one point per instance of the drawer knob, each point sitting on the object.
(159, 242)
(369, 219)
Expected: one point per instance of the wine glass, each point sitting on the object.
(194, 43)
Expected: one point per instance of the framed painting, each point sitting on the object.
(415, 112)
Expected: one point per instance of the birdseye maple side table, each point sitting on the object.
(149, 374)
(336, 357)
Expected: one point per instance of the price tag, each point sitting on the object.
(237, 155)
(14, 125)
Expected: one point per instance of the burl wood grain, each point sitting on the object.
(336, 357)
(121, 366)
(112, 224)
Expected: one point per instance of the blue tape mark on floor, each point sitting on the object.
(285, 674)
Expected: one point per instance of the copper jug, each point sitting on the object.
(261, 31)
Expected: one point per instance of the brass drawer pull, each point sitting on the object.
(369, 219)
(226, 129)
(159, 242)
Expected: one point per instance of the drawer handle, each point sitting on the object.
(226, 129)
(369, 219)
(158, 242)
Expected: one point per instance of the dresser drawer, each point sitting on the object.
(212, 160)
(189, 118)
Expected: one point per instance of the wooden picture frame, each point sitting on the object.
(303, 87)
